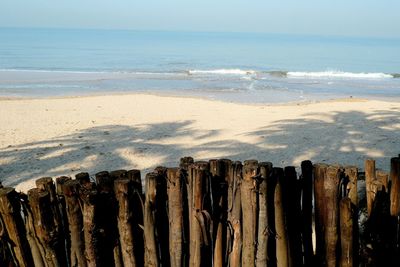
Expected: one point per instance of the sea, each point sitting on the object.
(235, 67)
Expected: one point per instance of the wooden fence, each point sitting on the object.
(216, 213)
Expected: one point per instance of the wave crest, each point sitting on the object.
(338, 74)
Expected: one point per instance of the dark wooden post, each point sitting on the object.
(320, 206)
(306, 180)
(235, 214)
(249, 208)
(331, 185)
(60, 181)
(176, 213)
(10, 212)
(282, 248)
(262, 220)
(395, 187)
(370, 177)
(199, 223)
(150, 242)
(75, 223)
(383, 178)
(185, 162)
(346, 232)
(292, 208)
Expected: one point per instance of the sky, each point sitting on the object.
(373, 18)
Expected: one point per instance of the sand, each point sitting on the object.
(64, 136)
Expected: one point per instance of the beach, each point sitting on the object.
(64, 136)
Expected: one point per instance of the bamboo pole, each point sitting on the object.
(262, 219)
(199, 223)
(150, 242)
(249, 206)
(175, 183)
(75, 223)
(331, 184)
(346, 232)
(351, 172)
(282, 248)
(320, 206)
(235, 214)
(306, 210)
(370, 177)
(395, 187)
(123, 188)
(12, 223)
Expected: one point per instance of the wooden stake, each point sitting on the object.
(60, 181)
(383, 178)
(370, 177)
(351, 172)
(346, 232)
(249, 206)
(331, 215)
(262, 220)
(395, 187)
(306, 180)
(175, 184)
(10, 212)
(75, 223)
(282, 248)
(200, 219)
(320, 207)
(150, 242)
(234, 214)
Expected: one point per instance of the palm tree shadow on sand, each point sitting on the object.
(341, 137)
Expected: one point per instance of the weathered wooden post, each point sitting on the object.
(151, 258)
(331, 214)
(370, 177)
(383, 178)
(234, 214)
(60, 181)
(262, 219)
(75, 223)
(351, 172)
(395, 187)
(10, 212)
(320, 207)
(306, 180)
(200, 219)
(282, 248)
(123, 188)
(176, 213)
(248, 191)
(346, 232)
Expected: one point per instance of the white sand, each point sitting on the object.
(53, 137)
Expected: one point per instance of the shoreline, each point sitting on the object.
(63, 136)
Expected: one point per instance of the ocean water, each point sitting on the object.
(240, 67)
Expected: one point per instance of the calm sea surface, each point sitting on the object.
(241, 67)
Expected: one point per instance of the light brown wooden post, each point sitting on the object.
(395, 187)
(370, 177)
(346, 232)
(306, 209)
(10, 212)
(235, 213)
(331, 185)
(282, 248)
(262, 220)
(150, 243)
(248, 192)
(44, 227)
(199, 238)
(383, 178)
(175, 184)
(75, 223)
(351, 172)
(320, 206)
(123, 188)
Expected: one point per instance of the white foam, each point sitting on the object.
(338, 74)
(223, 72)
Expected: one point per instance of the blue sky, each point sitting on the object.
(334, 17)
